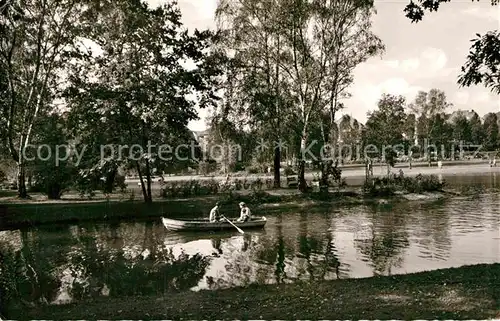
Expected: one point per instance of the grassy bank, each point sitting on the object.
(15, 213)
(470, 292)
(198, 198)
(20, 214)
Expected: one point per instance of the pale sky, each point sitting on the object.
(419, 56)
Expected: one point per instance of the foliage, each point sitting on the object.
(38, 39)
(207, 167)
(379, 186)
(138, 88)
(254, 170)
(385, 126)
(388, 185)
(293, 63)
(194, 188)
(255, 197)
(53, 167)
(426, 108)
(423, 183)
(483, 60)
(491, 131)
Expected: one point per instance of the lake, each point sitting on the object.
(65, 263)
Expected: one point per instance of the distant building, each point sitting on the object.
(349, 130)
(202, 139)
(457, 113)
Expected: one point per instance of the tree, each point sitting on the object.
(252, 29)
(483, 60)
(385, 126)
(442, 133)
(462, 129)
(426, 106)
(490, 127)
(476, 128)
(293, 60)
(411, 128)
(53, 168)
(325, 40)
(37, 39)
(138, 87)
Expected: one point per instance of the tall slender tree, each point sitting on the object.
(38, 37)
(326, 40)
(426, 106)
(490, 126)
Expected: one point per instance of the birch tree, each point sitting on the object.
(37, 37)
(251, 33)
(325, 41)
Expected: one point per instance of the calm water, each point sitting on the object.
(69, 263)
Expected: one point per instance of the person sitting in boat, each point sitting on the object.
(245, 213)
(214, 213)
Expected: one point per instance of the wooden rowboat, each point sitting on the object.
(205, 225)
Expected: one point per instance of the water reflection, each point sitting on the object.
(63, 264)
(386, 243)
(74, 263)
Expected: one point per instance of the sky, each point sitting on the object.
(419, 56)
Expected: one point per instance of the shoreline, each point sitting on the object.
(20, 215)
(125, 206)
(467, 292)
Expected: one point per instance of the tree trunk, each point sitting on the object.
(110, 181)
(277, 166)
(149, 198)
(21, 179)
(325, 162)
(302, 164)
(54, 191)
(143, 188)
(30, 180)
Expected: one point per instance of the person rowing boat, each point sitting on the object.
(215, 215)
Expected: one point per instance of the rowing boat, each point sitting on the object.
(205, 225)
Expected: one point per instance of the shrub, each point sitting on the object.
(253, 170)
(238, 184)
(384, 186)
(387, 185)
(421, 183)
(289, 171)
(269, 183)
(256, 197)
(207, 167)
(257, 184)
(193, 188)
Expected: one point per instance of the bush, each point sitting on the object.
(256, 197)
(190, 188)
(421, 183)
(388, 185)
(257, 185)
(206, 168)
(385, 186)
(254, 170)
(289, 171)
(196, 188)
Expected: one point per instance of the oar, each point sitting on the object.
(239, 230)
